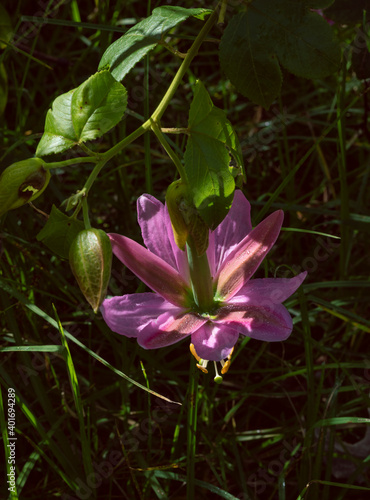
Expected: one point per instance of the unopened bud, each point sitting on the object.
(90, 258)
(22, 182)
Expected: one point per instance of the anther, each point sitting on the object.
(202, 363)
(194, 353)
(226, 364)
(202, 368)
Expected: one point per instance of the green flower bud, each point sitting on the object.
(22, 182)
(90, 258)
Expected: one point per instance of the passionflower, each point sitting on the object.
(210, 299)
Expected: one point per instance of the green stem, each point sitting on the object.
(177, 130)
(126, 141)
(201, 279)
(85, 213)
(148, 156)
(192, 430)
(156, 116)
(176, 160)
(73, 161)
(147, 125)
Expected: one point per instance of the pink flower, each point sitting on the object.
(251, 307)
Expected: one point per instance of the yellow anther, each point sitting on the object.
(225, 367)
(202, 368)
(226, 364)
(194, 353)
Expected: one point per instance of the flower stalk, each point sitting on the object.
(200, 276)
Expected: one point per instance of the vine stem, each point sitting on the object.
(155, 117)
(192, 430)
(85, 212)
(162, 106)
(176, 160)
(72, 161)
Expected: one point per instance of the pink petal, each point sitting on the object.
(127, 314)
(152, 270)
(156, 229)
(232, 230)
(266, 291)
(214, 341)
(169, 328)
(270, 324)
(244, 260)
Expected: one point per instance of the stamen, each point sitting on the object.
(203, 368)
(202, 363)
(194, 353)
(226, 364)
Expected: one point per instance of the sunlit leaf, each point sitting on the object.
(125, 52)
(207, 158)
(83, 114)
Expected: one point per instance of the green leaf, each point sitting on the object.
(342, 421)
(125, 52)
(59, 232)
(5, 27)
(83, 114)
(207, 158)
(248, 60)
(269, 32)
(90, 258)
(309, 49)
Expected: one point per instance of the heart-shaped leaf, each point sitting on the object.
(249, 61)
(83, 114)
(269, 32)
